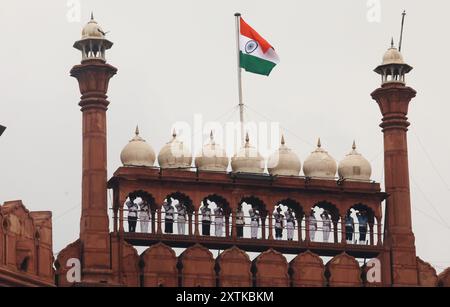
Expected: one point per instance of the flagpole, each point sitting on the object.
(239, 73)
(401, 32)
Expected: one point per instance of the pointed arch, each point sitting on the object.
(197, 267)
(234, 268)
(159, 266)
(307, 270)
(344, 271)
(271, 269)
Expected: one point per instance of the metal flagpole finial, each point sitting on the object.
(237, 14)
(401, 31)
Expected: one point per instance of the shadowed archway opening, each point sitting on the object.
(292, 216)
(140, 212)
(220, 214)
(255, 216)
(363, 217)
(178, 209)
(322, 223)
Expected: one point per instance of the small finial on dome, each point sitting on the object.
(247, 138)
(211, 137)
(392, 42)
(282, 140)
(92, 15)
(318, 143)
(174, 133)
(354, 145)
(137, 130)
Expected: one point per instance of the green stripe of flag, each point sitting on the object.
(256, 65)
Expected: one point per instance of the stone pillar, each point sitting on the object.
(153, 214)
(227, 226)
(93, 78)
(190, 224)
(196, 231)
(270, 227)
(379, 237)
(158, 211)
(343, 234)
(299, 229)
(371, 237)
(263, 227)
(308, 237)
(393, 100)
(335, 231)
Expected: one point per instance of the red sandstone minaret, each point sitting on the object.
(393, 97)
(93, 75)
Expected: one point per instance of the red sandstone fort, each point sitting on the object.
(107, 254)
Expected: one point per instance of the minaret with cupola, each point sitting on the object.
(93, 75)
(393, 98)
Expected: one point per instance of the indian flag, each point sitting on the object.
(256, 54)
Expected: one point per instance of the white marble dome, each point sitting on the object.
(137, 152)
(393, 56)
(175, 154)
(284, 162)
(92, 30)
(354, 166)
(212, 157)
(320, 164)
(247, 160)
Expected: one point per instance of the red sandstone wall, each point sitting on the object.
(271, 269)
(308, 270)
(197, 267)
(235, 268)
(427, 274)
(159, 266)
(344, 271)
(26, 244)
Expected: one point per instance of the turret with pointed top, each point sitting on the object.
(93, 76)
(248, 159)
(137, 152)
(393, 68)
(319, 164)
(212, 157)
(93, 44)
(284, 161)
(393, 98)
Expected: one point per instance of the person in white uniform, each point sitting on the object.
(290, 224)
(278, 224)
(326, 225)
(254, 225)
(169, 212)
(144, 216)
(206, 219)
(132, 214)
(312, 226)
(218, 220)
(181, 218)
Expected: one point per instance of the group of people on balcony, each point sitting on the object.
(363, 220)
(282, 220)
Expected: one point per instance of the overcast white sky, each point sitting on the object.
(177, 58)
